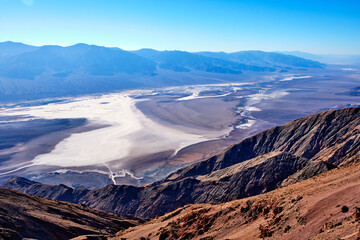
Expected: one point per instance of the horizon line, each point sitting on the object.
(289, 52)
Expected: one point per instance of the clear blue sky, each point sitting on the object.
(318, 26)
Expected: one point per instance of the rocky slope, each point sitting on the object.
(326, 206)
(276, 157)
(26, 216)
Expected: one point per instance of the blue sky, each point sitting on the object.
(216, 25)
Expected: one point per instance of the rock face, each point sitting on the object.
(271, 159)
(26, 216)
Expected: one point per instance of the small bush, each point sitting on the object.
(344, 209)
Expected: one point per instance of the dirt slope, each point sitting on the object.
(323, 207)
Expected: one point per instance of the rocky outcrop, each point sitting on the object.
(231, 183)
(277, 157)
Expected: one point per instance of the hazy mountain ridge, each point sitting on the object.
(327, 58)
(265, 59)
(24, 61)
(276, 157)
(184, 61)
(79, 58)
(9, 48)
(31, 72)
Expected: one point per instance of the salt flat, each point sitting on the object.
(128, 133)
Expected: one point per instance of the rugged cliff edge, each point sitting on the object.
(271, 159)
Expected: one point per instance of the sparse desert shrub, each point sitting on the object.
(207, 238)
(277, 210)
(356, 214)
(244, 209)
(287, 228)
(265, 231)
(329, 225)
(164, 235)
(276, 220)
(344, 209)
(301, 220)
(266, 210)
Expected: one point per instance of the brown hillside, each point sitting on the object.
(26, 216)
(326, 206)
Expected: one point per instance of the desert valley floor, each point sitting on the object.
(140, 136)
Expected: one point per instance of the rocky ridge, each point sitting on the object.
(26, 216)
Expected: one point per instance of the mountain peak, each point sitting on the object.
(19, 181)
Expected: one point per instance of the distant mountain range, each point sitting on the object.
(28, 62)
(346, 59)
(28, 72)
(185, 62)
(265, 59)
(271, 159)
